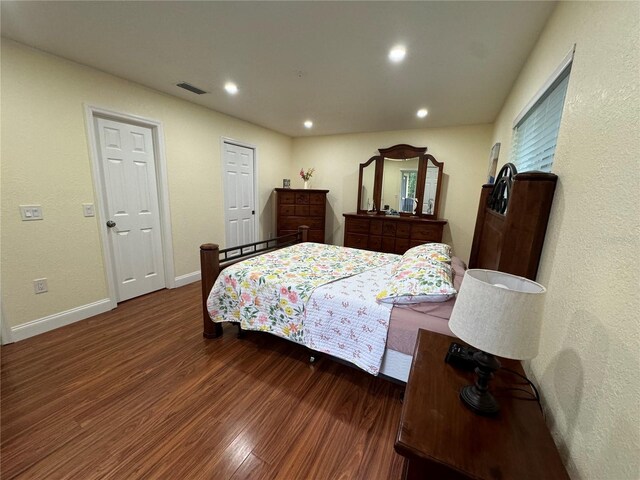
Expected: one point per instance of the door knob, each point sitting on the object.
(111, 224)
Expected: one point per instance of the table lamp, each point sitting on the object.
(500, 314)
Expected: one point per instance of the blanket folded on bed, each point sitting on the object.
(343, 319)
(269, 292)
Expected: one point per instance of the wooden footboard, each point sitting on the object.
(213, 261)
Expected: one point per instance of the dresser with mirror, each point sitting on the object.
(398, 201)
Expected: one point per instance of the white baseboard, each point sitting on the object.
(57, 320)
(183, 280)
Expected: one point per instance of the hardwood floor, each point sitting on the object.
(138, 393)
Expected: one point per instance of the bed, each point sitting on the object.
(331, 285)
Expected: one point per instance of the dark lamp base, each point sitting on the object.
(480, 403)
(477, 397)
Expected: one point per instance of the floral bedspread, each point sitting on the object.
(343, 319)
(269, 292)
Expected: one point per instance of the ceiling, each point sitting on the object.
(293, 61)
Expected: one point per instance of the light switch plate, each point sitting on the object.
(31, 212)
(88, 210)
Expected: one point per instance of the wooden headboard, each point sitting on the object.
(512, 222)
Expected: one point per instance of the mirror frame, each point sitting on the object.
(377, 183)
(400, 152)
(422, 178)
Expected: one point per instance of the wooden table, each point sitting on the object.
(442, 439)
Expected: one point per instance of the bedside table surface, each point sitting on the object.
(438, 431)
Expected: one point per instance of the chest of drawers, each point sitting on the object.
(390, 234)
(302, 207)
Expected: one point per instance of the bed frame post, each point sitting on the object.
(209, 268)
(303, 230)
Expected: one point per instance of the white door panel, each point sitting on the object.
(233, 232)
(238, 164)
(231, 185)
(128, 165)
(430, 186)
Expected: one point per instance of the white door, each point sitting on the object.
(238, 195)
(430, 187)
(133, 216)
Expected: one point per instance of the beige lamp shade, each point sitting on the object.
(499, 313)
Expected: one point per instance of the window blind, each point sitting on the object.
(535, 136)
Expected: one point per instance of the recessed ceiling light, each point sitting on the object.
(422, 113)
(231, 88)
(397, 53)
(308, 124)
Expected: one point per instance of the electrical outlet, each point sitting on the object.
(40, 285)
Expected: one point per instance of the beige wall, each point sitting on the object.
(464, 151)
(45, 160)
(588, 361)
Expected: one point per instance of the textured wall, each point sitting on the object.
(588, 361)
(464, 151)
(45, 160)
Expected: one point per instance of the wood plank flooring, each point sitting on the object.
(138, 393)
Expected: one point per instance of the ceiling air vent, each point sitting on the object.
(191, 88)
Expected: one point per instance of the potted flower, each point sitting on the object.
(306, 176)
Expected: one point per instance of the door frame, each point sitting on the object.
(256, 223)
(92, 112)
(402, 173)
(5, 330)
